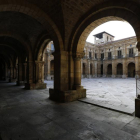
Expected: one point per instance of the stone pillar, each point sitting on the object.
(93, 70)
(137, 66)
(39, 66)
(67, 72)
(114, 69)
(104, 69)
(98, 69)
(137, 106)
(95, 66)
(30, 74)
(60, 77)
(77, 72)
(81, 69)
(20, 74)
(88, 69)
(124, 69)
(48, 67)
(11, 75)
(25, 72)
(6, 73)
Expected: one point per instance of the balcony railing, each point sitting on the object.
(110, 58)
(131, 55)
(119, 57)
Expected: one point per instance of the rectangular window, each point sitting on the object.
(89, 54)
(109, 55)
(95, 55)
(119, 54)
(102, 56)
(131, 52)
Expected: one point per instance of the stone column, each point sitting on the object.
(98, 69)
(77, 72)
(6, 73)
(81, 68)
(25, 72)
(104, 69)
(39, 65)
(137, 66)
(11, 74)
(125, 51)
(88, 69)
(20, 74)
(30, 74)
(67, 77)
(95, 66)
(48, 67)
(124, 69)
(93, 70)
(114, 69)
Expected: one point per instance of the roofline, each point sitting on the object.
(115, 41)
(104, 32)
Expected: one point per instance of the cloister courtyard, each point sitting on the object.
(113, 93)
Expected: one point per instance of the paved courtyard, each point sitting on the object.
(116, 93)
(30, 115)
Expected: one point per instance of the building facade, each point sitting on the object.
(105, 58)
(109, 58)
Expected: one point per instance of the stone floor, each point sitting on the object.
(30, 115)
(114, 93)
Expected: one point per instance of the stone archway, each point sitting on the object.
(84, 69)
(89, 21)
(131, 70)
(119, 70)
(91, 69)
(109, 70)
(101, 70)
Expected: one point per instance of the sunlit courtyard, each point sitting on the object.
(116, 93)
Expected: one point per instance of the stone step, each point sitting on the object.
(110, 107)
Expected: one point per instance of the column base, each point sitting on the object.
(95, 76)
(137, 107)
(35, 86)
(20, 83)
(49, 77)
(124, 76)
(40, 86)
(88, 76)
(113, 76)
(66, 96)
(12, 80)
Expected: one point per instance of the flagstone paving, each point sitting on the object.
(31, 115)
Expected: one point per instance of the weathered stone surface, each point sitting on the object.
(29, 114)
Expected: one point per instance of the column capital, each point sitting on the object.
(79, 55)
(39, 62)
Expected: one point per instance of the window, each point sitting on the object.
(89, 54)
(102, 56)
(95, 55)
(119, 54)
(131, 52)
(109, 55)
